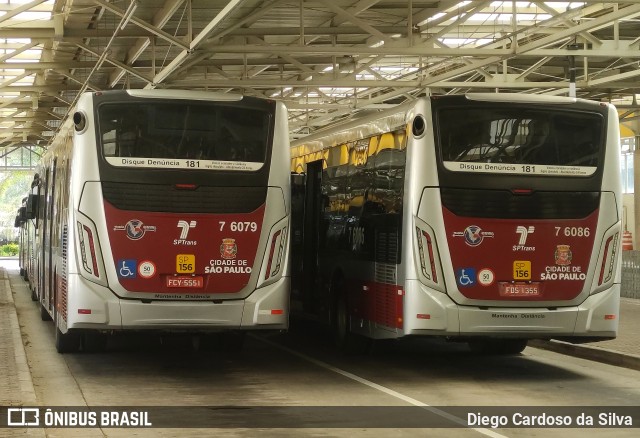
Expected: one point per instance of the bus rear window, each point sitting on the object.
(520, 136)
(184, 131)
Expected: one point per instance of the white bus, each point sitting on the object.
(166, 210)
(29, 227)
(25, 220)
(486, 218)
(23, 238)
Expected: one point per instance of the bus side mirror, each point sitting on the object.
(32, 206)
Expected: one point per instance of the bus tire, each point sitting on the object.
(44, 314)
(498, 346)
(67, 342)
(34, 294)
(340, 323)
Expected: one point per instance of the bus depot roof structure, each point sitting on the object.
(326, 59)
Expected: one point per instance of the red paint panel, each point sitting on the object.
(61, 298)
(380, 303)
(555, 253)
(219, 247)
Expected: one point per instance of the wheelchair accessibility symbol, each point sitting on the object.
(466, 277)
(127, 268)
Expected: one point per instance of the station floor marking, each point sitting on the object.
(381, 388)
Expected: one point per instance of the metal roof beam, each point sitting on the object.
(115, 63)
(18, 10)
(197, 41)
(143, 24)
(347, 16)
(78, 81)
(159, 20)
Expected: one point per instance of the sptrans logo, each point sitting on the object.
(184, 233)
(524, 233)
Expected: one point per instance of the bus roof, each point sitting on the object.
(185, 94)
(523, 98)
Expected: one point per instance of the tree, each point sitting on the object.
(14, 186)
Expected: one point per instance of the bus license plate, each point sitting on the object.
(192, 282)
(519, 290)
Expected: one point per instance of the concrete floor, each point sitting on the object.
(300, 369)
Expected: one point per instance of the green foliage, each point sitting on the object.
(10, 249)
(14, 186)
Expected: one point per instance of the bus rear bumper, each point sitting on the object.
(91, 306)
(434, 313)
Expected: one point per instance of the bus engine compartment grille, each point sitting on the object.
(167, 198)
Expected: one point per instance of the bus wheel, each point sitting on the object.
(34, 295)
(44, 314)
(498, 346)
(342, 336)
(94, 342)
(67, 342)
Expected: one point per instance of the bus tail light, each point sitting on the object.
(274, 243)
(607, 265)
(90, 252)
(275, 254)
(427, 255)
(425, 248)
